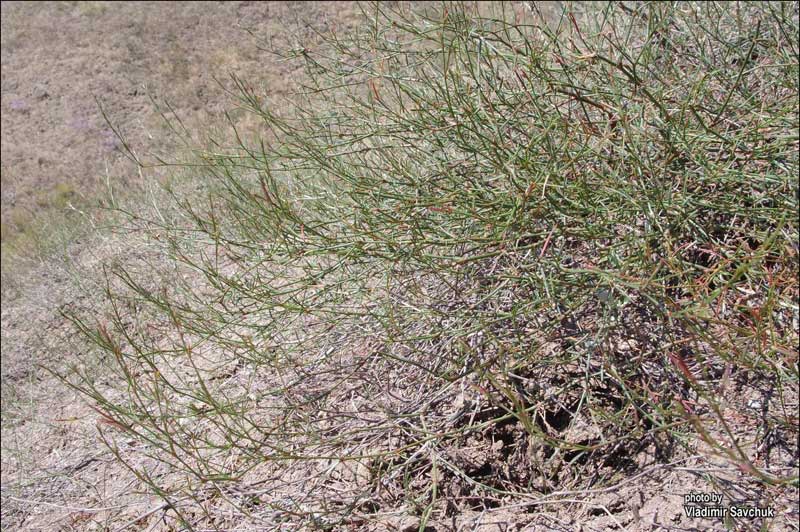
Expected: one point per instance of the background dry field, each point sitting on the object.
(155, 64)
(60, 59)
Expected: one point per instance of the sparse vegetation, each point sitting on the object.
(489, 258)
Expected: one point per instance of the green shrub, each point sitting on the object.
(573, 235)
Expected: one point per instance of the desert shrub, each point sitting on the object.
(485, 255)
